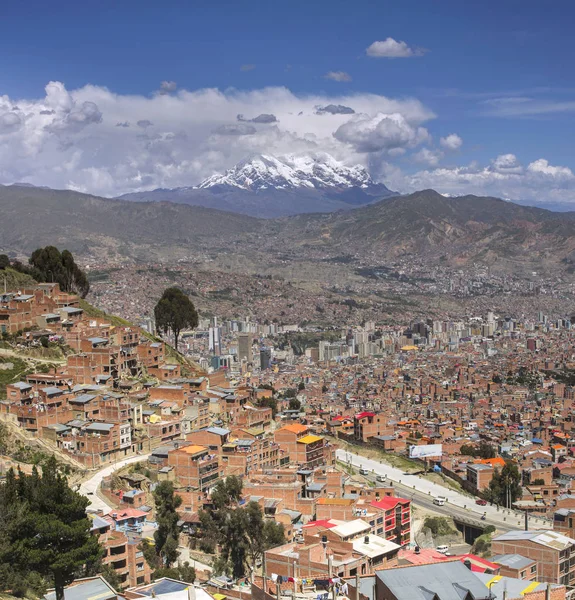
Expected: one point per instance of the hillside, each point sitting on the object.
(456, 230)
(426, 224)
(88, 225)
(14, 280)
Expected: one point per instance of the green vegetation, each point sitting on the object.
(12, 369)
(484, 450)
(241, 531)
(294, 404)
(301, 341)
(168, 531)
(182, 572)
(15, 280)
(438, 526)
(482, 545)
(505, 485)
(96, 313)
(174, 312)
(45, 534)
(50, 265)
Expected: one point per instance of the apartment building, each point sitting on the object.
(553, 551)
(304, 448)
(367, 425)
(195, 467)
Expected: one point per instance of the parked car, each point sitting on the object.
(481, 502)
(443, 549)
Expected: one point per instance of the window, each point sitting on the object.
(534, 569)
(140, 567)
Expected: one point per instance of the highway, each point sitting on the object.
(422, 492)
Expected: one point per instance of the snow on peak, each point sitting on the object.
(317, 171)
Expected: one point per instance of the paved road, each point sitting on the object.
(89, 487)
(422, 491)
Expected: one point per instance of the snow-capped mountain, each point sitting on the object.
(319, 172)
(269, 186)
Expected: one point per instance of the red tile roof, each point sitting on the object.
(364, 414)
(388, 502)
(321, 523)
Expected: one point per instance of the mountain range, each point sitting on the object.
(425, 226)
(267, 186)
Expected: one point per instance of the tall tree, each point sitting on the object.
(505, 485)
(44, 529)
(167, 534)
(242, 532)
(50, 265)
(175, 312)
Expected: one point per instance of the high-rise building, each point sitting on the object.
(245, 347)
(265, 358)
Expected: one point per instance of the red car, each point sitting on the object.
(481, 502)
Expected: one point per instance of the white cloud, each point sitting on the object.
(525, 106)
(381, 132)
(542, 168)
(94, 140)
(504, 177)
(507, 164)
(168, 87)
(428, 157)
(451, 142)
(338, 76)
(391, 48)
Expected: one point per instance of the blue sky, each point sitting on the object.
(497, 74)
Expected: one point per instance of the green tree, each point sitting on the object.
(111, 576)
(182, 572)
(44, 531)
(4, 262)
(294, 404)
(167, 534)
(175, 312)
(486, 450)
(241, 532)
(505, 485)
(301, 386)
(51, 265)
(269, 403)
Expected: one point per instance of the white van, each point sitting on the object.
(363, 471)
(439, 500)
(443, 549)
(380, 477)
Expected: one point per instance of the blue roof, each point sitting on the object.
(52, 391)
(82, 398)
(218, 430)
(537, 440)
(164, 586)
